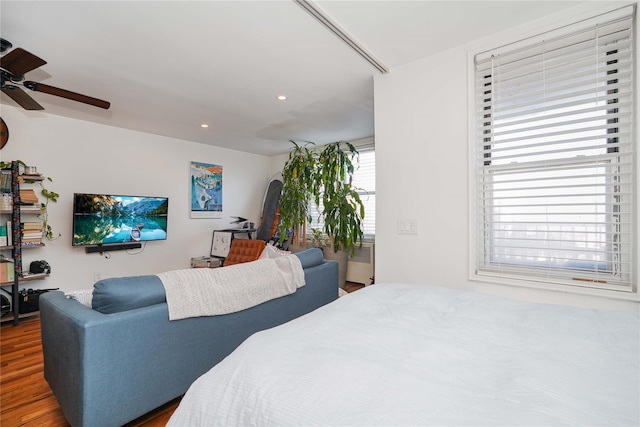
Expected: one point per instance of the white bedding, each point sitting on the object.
(400, 354)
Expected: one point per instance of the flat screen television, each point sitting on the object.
(102, 219)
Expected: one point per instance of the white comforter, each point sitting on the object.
(399, 354)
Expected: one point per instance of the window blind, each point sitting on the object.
(364, 179)
(555, 159)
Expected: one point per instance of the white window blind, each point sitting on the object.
(364, 179)
(555, 158)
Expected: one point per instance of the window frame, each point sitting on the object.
(513, 278)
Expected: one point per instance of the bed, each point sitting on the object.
(407, 354)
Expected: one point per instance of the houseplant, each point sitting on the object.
(342, 208)
(318, 239)
(50, 196)
(298, 188)
(324, 176)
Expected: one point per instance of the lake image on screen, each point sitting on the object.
(103, 219)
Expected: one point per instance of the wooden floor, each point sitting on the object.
(25, 396)
(350, 287)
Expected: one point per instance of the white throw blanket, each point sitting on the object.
(212, 291)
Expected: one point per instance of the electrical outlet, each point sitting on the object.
(96, 276)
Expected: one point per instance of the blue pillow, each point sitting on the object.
(310, 257)
(127, 293)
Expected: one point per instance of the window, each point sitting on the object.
(364, 179)
(554, 158)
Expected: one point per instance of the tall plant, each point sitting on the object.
(342, 208)
(298, 188)
(324, 176)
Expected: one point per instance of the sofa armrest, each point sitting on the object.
(101, 366)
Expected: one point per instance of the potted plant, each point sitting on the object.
(324, 176)
(50, 196)
(298, 189)
(318, 239)
(342, 208)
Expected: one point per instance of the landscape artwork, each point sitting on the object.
(206, 190)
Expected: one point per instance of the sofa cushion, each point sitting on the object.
(310, 257)
(127, 293)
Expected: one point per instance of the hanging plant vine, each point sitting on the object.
(49, 196)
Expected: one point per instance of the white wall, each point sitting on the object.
(422, 151)
(84, 157)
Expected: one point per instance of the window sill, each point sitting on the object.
(619, 295)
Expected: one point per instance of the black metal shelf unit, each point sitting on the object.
(16, 247)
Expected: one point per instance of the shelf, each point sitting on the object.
(28, 178)
(31, 178)
(25, 209)
(12, 179)
(10, 316)
(36, 245)
(27, 278)
(33, 276)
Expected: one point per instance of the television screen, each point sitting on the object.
(100, 219)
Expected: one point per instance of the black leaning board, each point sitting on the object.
(269, 209)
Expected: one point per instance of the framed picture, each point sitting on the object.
(206, 190)
(221, 243)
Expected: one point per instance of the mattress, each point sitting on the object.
(417, 354)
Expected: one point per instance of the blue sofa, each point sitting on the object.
(113, 363)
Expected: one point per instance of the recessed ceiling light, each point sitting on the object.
(281, 98)
(204, 125)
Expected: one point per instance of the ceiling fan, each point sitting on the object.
(15, 64)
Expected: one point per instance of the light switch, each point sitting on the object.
(407, 226)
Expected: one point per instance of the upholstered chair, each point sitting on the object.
(244, 250)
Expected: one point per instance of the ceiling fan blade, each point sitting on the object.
(21, 97)
(51, 90)
(19, 61)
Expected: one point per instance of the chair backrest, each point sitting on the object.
(244, 250)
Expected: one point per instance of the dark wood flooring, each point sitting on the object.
(25, 396)
(350, 287)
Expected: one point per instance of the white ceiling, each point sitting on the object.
(168, 66)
